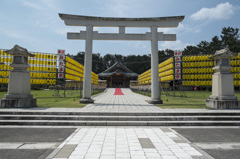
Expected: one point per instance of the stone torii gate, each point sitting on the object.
(89, 35)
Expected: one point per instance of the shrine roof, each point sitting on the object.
(111, 70)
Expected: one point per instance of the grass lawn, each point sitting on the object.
(48, 98)
(193, 99)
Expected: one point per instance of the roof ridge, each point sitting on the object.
(115, 64)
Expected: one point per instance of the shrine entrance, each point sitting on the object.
(89, 35)
(118, 81)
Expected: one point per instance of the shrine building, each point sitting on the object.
(118, 76)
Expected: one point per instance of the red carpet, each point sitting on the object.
(118, 91)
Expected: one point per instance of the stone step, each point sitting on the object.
(164, 113)
(117, 123)
(119, 118)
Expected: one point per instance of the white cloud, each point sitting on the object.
(221, 11)
(181, 27)
(173, 45)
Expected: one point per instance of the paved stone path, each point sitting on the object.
(126, 142)
(129, 102)
(119, 143)
(108, 102)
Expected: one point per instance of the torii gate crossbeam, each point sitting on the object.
(89, 35)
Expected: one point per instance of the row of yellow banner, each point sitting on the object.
(204, 83)
(197, 83)
(7, 68)
(31, 62)
(43, 69)
(75, 71)
(205, 76)
(204, 58)
(33, 81)
(38, 56)
(207, 64)
(197, 70)
(198, 64)
(166, 72)
(46, 79)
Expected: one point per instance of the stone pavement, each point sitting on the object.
(124, 142)
(129, 102)
(128, 142)
(108, 102)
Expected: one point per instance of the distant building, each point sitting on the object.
(118, 76)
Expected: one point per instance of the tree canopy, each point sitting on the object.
(229, 38)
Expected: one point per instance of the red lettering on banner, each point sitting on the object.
(177, 59)
(60, 75)
(177, 65)
(61, 64)
(175, 53)
(177, 71)
(60, 57)
(61, 51)
(177, 77)
(179, 53)
(61, 69)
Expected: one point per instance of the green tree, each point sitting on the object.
(108, 60)
(79, 57)
(230, 38)
(97, 63)
(203, 47)
(190, 50)
(215, 44)
(164, 55)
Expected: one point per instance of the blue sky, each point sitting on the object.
(35, 24)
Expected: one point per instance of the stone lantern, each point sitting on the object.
(19, 86)
(222, 82)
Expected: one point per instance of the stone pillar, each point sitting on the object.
(155, 93)
(19, 86)
(87, 66)
(222, 82)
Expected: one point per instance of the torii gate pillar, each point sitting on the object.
(155, 93)
(87, 66)
(154, 36)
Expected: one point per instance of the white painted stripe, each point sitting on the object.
(21, 145)
(10, 145)
(215, 145)
(184, 127)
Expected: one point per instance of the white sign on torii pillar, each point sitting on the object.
(89, 35)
